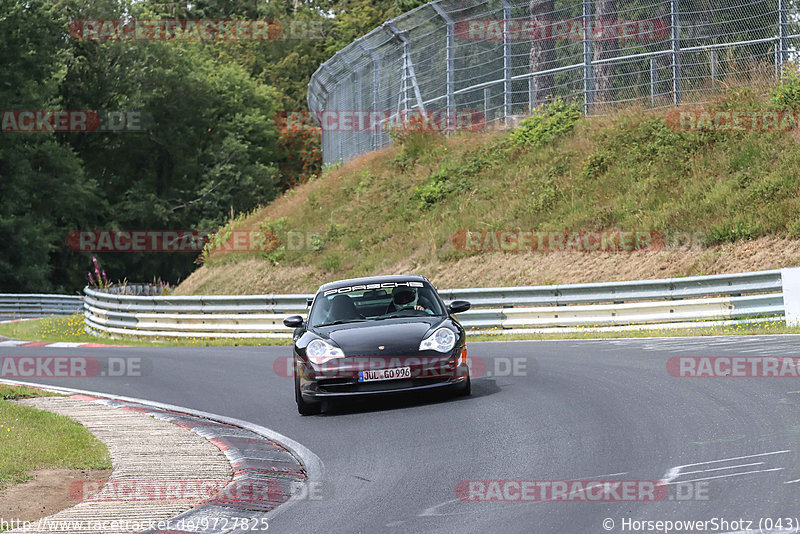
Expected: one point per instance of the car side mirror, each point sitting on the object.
(458, 306)
(294, 321)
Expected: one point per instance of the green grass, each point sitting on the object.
(778, 326)
(557, 171)
(23, 392)
(71, 329)
(33, 439)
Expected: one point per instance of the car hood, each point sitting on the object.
(398, 337)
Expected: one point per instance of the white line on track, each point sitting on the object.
(728, 476)
(675, 472)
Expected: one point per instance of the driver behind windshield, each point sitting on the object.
(405, 298)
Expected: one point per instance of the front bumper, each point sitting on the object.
(341, 380)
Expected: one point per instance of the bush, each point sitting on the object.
(302, 152)
(549, 123)
(787, 96)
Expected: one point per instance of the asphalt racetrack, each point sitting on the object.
(600, 410)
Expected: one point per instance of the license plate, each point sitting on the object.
(384, 374)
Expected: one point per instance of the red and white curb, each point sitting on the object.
(253, 451)
(53, 345)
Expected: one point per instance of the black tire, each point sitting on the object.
(308, 408)
(466, 389)
(303, 407)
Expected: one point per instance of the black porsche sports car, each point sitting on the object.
(383, 334)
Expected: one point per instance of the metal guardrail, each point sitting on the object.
(672, 301)
(33, 305)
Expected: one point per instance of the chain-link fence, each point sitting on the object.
(462, 62)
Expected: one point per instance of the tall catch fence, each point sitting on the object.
(460, 62)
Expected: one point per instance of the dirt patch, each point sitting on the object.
(46, 494)
(510, 269)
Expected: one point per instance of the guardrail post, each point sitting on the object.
(676, 52)
(450, 50)
(790, 282)
(506, 63)
(588, 70)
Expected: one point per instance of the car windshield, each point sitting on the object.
(346, 305)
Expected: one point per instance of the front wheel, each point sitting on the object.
(308, 408)
(303, 407)
(466, 389)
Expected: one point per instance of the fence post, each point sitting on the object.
(531, 94)
(487, 95)
(506, 63)
(713, 53)
(676, 53)
(408, 67)
(782, 33)
(376, 88)
(588, 70)
(450, 50)
(653, 80)
(376, 84)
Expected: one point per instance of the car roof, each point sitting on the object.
(374, 280)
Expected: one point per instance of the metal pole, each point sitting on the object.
(487, 94)
(588, 71)
(676, 53)
(376, 85)
(653, 81)
(506, 63)
(450, 51)
(359, 111)
(713, 68)
(376, 88)
(531, 94)
(783, 31)
(408, 65)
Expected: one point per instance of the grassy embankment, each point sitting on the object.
(724, 201)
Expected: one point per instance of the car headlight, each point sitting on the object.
(320, 352)
(442, 340)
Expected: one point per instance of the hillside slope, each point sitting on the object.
(721, 201)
